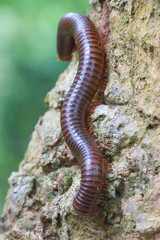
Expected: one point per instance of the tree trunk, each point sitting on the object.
(127, 126)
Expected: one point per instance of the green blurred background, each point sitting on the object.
(28, 70)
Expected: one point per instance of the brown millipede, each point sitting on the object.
(76, 30)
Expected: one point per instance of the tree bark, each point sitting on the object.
(127, 126)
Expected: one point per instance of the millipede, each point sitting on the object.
(76, 31)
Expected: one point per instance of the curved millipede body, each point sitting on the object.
(76, 30)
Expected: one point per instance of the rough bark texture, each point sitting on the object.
(39, 201)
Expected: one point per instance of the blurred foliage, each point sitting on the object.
(28, 69)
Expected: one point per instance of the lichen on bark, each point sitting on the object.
(127, 126)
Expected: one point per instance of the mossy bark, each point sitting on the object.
(127, 126)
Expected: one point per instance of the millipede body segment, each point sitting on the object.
(76, 30)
